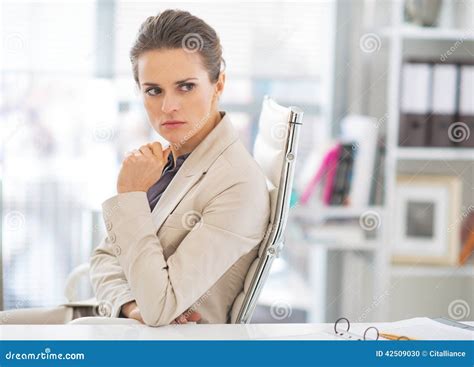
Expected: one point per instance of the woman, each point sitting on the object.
(187, 220)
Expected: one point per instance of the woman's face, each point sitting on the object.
(176, 87)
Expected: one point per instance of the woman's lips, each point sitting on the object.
(173, 124)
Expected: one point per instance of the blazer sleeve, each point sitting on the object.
(231, 225)
(108, 279)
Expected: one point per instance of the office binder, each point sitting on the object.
(362, 132)
(443, 105)
(414, 104)
(343, 175)
(419, 328)
(370, 333)
(463, 130)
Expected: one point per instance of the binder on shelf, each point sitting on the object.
(325, 170)
(331, 174)
(343, 175)
(463, 131)
(414, 104)
(363, 131)
(443, 105)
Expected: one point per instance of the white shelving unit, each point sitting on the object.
(399, 38)
(433, 271)
(319, 254)
(438, 154)
(419, 33)
(382, 272)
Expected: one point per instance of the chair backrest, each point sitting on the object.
(275, 151)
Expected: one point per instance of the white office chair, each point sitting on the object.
(275, 150)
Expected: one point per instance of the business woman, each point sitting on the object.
(187, 219)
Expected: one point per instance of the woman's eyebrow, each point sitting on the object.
(178, 82)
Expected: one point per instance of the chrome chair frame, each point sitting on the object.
(274, 242)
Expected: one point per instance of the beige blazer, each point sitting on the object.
(195, 248)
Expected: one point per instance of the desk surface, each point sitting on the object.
(136, 331)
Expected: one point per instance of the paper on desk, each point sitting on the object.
(424, 328)
(421, 328)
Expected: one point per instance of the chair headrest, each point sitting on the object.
(270, 143)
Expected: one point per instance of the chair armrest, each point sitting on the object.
(72, 281)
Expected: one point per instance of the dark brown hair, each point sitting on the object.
(173, 29)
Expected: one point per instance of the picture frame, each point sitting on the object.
(427, 212)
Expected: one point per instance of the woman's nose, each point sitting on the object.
(170, 104)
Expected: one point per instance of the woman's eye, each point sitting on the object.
(153, 91)
(187, 87)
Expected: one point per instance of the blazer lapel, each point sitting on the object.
(197, 163)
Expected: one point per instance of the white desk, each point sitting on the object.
(134, 331)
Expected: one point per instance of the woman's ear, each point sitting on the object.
(220, 84)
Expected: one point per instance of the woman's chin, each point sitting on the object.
(175, 140)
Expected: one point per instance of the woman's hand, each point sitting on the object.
(131, 311)
(141, 169)
(187, 316)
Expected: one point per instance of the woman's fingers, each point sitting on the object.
(185, 317)
(182, 319)
(194, 316)
(156, 148)
(146, 151)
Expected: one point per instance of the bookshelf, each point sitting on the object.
(380, 275)
(403, 42)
